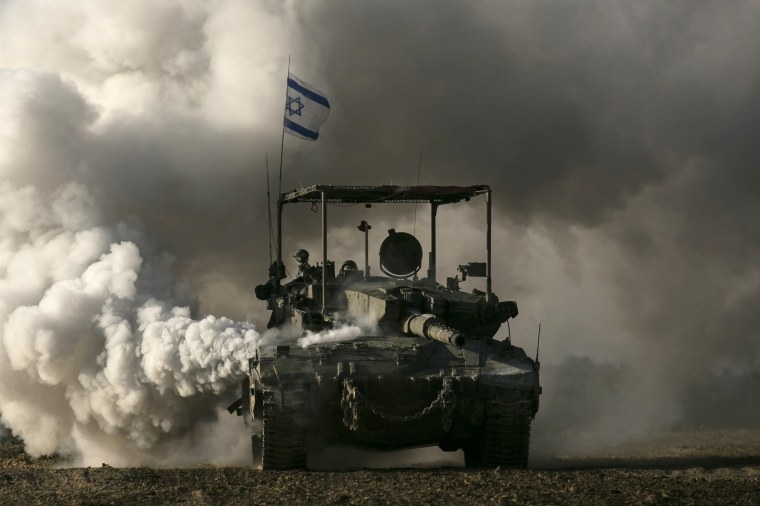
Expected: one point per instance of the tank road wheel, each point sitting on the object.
(505, 439)
(283, 438)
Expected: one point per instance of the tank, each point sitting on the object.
(396, 361)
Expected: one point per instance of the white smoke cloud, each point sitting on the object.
(141, 58)
(84, 342)
(337, 335)
(103, 353)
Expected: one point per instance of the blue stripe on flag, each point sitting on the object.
(316, 97)
(301, 130)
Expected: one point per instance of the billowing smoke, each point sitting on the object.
(337, 335)
(107, 144)
(619, 140)
(95, 339)
(618, 137)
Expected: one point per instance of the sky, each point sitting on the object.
(619, 139)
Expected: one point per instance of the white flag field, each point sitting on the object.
(306, 108)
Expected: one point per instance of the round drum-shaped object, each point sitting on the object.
(400, 254)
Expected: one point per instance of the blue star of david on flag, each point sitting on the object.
(294, 109)
(305, 109)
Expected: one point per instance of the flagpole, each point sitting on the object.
(269, 210)
(282, 139)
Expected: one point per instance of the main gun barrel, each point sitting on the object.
(431, 327)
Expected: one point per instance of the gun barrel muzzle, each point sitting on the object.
(431, 327)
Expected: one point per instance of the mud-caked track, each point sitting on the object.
(671, 469)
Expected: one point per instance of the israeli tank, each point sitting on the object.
(424, 370)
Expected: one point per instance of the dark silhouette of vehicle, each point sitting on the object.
(429, 374)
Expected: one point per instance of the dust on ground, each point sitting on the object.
(695, 467)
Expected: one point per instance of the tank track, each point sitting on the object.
(283, 438)
(506, 435)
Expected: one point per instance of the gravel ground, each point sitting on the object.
(684, 468)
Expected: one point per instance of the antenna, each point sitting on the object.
(419, 169)
(269, 209)
(538, 342)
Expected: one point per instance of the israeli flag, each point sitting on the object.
(305, 109)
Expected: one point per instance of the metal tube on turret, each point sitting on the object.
(324, 253)
(431, 327)
(489, 294)
(432, 261)
(366, 250)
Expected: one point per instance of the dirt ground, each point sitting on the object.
(705, 467)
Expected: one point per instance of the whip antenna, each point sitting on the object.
(419, 169)
(538, 342)
(269, 208)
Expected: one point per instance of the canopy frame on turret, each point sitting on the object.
(387, 194)
(384, 194)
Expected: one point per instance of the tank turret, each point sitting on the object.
(427, 310)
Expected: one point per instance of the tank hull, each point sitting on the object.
(392, 392)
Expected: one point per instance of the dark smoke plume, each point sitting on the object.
(624, 126)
